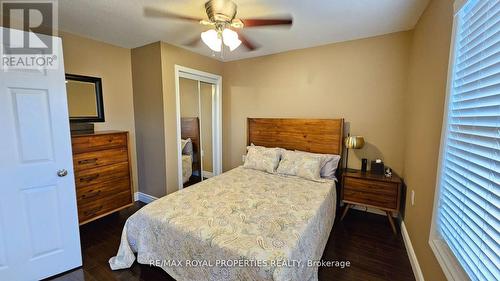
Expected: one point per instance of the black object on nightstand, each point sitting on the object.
(377, 168)
(364, 164)
(372, 190)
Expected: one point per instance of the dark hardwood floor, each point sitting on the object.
(363, 239)
(367, 241)
(192, 181)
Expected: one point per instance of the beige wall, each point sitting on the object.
(154, 92)
(424, 114)
(363, 81)
(148, 107)
(171, 56)
(84, 56)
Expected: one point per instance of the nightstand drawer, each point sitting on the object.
(369, 198)
(379, 187)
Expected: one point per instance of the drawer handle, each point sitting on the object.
(95, 194)
(87, 161)
(93, 211)
(89, 178)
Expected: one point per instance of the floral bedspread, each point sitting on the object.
(187, 167)
(241, 225)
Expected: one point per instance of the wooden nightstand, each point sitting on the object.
(370, 190)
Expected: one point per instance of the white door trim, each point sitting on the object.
(189, 73)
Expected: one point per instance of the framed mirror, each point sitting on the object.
(85, 103)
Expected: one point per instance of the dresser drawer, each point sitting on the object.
(380, 187)
(87, 194)
(103, 205)
(98, 142)
(101, 174)
(94, 159)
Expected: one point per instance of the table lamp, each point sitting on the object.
(352, 142)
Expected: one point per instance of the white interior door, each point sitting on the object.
(39, 234)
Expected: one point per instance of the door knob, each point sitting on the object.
(62, 173)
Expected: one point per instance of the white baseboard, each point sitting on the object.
(143, 197)
(207, 175)
(417, 271)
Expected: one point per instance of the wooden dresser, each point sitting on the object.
(102, 174)
(370, 190)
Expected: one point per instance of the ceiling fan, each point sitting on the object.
(225, 28)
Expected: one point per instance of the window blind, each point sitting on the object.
(468, 208)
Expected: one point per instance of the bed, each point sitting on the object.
(187, 167)
(244, 224)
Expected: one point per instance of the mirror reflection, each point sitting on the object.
(82, 99)
(196, 106)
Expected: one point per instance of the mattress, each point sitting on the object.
(241, 225)
(187, 167)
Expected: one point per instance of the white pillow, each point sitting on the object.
(329, 163)
(262, 158)
(187, 146)
(297, 164)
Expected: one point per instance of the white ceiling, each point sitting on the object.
(316, 22)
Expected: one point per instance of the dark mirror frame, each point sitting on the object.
(99, 101)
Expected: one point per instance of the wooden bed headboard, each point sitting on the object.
(311, 135)
(190, 128)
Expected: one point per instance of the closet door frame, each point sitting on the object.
(216, 80)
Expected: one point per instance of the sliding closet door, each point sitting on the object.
(190, 130)
(206, 113)
(198, 96)
(197, 119)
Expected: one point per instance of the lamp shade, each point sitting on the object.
(354, 142)
(230, 39)
(212, 40)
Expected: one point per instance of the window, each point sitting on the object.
(465, 235)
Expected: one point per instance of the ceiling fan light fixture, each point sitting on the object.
(230, 39)
(223, 24)
(212, 40)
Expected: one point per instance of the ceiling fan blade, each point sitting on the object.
(156, 13)
(267, 22)
(247, 43)
(193, 42)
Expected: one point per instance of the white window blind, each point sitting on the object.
(468, 206)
